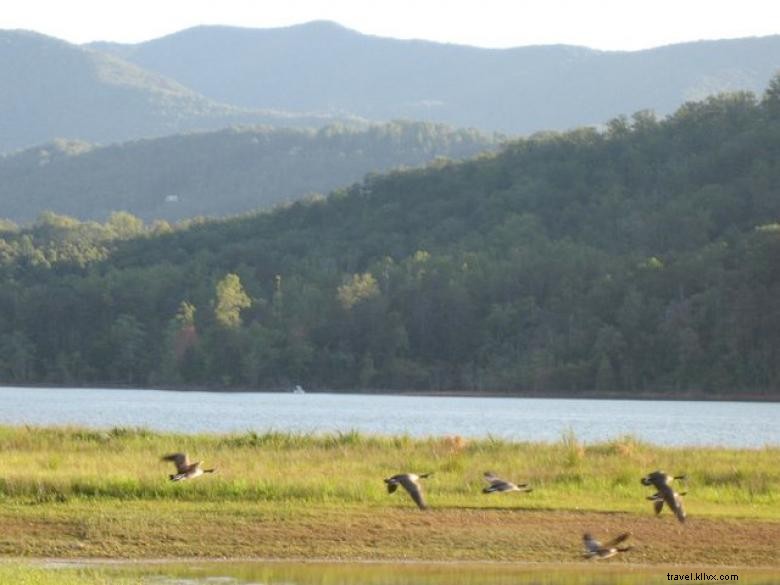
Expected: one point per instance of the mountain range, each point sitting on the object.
(52, 89)
(324, 67)
(315, 74)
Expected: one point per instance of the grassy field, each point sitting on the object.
(330, 573)
(20, 574)
(77, 493)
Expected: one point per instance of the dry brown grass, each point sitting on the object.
(239, 530)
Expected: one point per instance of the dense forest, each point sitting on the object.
(216, 173)
(641, 257)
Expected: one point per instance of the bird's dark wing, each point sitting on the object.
(658, 505)
(592, 546)
(414, 490)
(180, 460)
(672, 500)
(500, 485)
(678, 507)
(617, 540)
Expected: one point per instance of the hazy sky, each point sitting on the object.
(601, 24)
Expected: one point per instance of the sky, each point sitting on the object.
(599, 24)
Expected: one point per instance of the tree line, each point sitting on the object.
(637, 257)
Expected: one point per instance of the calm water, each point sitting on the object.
(284, 573)
(737, 424)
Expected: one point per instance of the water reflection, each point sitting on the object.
(273, 573)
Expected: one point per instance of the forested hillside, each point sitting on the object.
(640, 258)
(216, 173)
(52, 89)
(324, 67)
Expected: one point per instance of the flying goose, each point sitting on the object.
(411, 483)
(185, 469)
(665, 494)
(594, 549)
(501, 485)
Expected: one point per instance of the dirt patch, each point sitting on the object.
(185, 531)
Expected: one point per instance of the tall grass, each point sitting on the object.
(51, 465)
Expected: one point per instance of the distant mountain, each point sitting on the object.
(215, 173)
(324, 67)
(50, 89)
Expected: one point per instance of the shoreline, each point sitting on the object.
(75, 562)
(563, 395)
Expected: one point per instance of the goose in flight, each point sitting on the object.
(665, 494)
(411, 483)
(185, 469)
(501, 485)
(594, 548)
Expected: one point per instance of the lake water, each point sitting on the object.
(320, 573)
(735, 424)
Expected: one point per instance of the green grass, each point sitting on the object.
(25, 574)
(353, 574)
(51, 465)
(79, 493)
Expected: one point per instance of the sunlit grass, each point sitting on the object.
(73, 492)
(25, 574)
(354, 574)
(51, 465)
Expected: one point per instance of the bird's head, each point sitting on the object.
(653, 478)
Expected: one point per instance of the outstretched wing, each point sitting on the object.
(678, 507)
(180, 460)
(672, 499)
(497, 484)
(414, 490)
(617, 540)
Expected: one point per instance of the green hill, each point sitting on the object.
(641, 258)
(215, 173)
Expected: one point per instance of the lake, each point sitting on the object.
(733, 424)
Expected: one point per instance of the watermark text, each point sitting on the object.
(700, 577)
